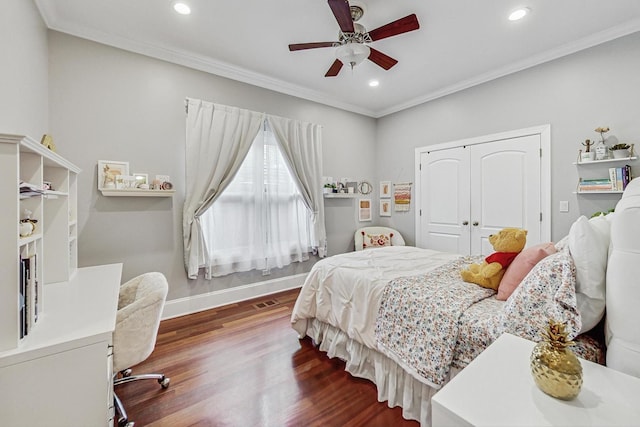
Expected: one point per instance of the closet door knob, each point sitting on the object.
(476, 223)
(465, 222)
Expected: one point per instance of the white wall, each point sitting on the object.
(23, 74)
(109, 104)
(576, 94)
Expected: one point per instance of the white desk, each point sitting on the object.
(497, 389)
(60, 374)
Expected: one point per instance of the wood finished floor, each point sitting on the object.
(243, 365)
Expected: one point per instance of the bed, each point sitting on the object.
(402, 318)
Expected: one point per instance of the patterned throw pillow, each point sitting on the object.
(375, 240)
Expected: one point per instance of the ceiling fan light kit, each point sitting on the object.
(352, 53)
(352, 45)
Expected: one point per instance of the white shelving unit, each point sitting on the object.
(606, 164)
(76, 307)
(24, 160)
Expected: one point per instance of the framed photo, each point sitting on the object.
(141, 179)
(385, 189)
(385, 207)
(125, 182)
(364, 210)
(108, 170)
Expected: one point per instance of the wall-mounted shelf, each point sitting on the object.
(595, 162)
(597, 192)
(339, 195)
(137, 192)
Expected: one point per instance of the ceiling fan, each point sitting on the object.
(353, 38)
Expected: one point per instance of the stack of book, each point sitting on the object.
(29, 190)
(587, 185)
(617, 181)
(620, 177)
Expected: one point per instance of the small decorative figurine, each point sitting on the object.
(47, 141)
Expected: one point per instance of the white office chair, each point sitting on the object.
(140, 307)
(364, 233)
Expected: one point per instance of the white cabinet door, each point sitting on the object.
(505, 190)
(444, 183)
(468, 192)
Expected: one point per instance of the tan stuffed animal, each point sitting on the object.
(508, 243)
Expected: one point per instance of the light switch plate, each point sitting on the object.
(564, 206)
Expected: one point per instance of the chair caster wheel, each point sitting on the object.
(126, 372)
(125, 423)
(164, 382)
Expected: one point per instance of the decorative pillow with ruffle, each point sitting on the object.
(376, 240)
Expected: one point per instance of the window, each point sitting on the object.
(260, 220)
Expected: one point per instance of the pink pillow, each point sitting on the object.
(521, 266)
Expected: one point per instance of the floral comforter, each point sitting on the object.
(433, 322)
(418, 319)
(352, 292)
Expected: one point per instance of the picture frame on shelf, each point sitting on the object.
(385, 207)
(125, 182)
(108, 170)
(385, 189)
(142, 180)
(364, 210)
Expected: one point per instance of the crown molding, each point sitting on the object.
(550, 55)
(202, 63)
(222, 69)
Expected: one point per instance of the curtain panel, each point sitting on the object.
(301, 146)
(218, 138)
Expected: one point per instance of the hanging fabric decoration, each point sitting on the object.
(402, 196)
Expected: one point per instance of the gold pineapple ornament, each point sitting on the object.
(555, 369)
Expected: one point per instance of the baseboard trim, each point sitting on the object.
(193, 304)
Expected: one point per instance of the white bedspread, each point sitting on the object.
(334, 283)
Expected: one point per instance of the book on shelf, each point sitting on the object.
(22, 304)
(30, 293)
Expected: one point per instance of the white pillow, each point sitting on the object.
(589, 247)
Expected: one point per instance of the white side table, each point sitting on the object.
(497, 389)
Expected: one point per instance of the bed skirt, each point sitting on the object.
(395, 386)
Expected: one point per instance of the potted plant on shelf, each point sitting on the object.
(620, 151)
(329, 188)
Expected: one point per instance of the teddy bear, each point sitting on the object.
(508, 243)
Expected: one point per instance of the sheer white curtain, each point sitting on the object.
(260, 220)
(301, 145)
(218, 138)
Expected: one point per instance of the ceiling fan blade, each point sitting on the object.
(334, 69)
(381, 59)
(402, 25)
(342, 12)
(302, 46)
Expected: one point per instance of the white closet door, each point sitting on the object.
(505, 189)
(444, 187)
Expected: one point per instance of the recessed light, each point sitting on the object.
(519, 14)
(181, 8)
(374, 83)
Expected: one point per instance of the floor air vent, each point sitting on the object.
(264, 304)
